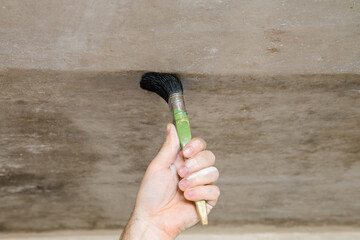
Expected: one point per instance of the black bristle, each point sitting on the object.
(163, 84)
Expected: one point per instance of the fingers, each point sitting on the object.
(201, 160)
(209, 193)
(199, 174)
(179, 162)
(169, 151)
(193, 147)
(203, 177)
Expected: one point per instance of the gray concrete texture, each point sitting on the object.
(74, 147)
(203, 36)
(273, 86)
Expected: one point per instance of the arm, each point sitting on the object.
(138, 229)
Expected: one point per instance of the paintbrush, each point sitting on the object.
(169, 87)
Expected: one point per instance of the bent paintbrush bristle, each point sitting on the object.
(163, 84)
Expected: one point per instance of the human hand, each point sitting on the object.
(164, 205)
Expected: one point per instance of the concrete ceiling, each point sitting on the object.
(212, 36)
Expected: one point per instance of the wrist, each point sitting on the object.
(140, 229)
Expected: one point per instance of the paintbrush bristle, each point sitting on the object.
(163, 84)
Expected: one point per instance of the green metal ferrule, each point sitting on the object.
(182, 126)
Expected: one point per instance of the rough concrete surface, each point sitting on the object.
(203, 36)
(74, 146)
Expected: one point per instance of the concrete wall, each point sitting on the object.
(74, 147)
(278, 82)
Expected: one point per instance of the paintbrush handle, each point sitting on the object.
(183, 129)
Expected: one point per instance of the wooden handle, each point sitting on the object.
(202, 211)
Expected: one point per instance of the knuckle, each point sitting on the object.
(208, 157)
(211, 156)
(217, 191)
(200, 142)
(216, 172)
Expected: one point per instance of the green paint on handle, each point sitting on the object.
(182, 126)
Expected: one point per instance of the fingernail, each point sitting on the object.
(182, 171)
(187, 151)
(183, 184)
(189, 193)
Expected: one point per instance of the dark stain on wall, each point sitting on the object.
(74, 146)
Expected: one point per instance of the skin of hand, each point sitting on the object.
(164, 204)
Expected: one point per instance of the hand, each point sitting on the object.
(164, 205)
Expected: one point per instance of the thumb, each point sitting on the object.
(169, 150)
